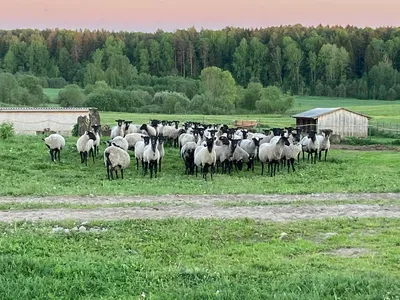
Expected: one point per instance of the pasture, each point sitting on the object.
(26, 169)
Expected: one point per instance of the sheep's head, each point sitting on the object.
(143, 127)
(153, 142)
(119, 122)
(91, 135)
(284, 141)
(256, 141)
(327, 132)
(234, 143)
(209, 143)
(212, 132)
(96, 127)
(276, 131)
(244, 133)
(224, 140)
(127, 123)
(146, 139)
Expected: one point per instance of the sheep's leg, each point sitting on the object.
(196, 170)
(211, 171)
(108, 172)
(122, 173)
(303, 154)
(288, 165)
(262, 168)
(155, 168)
(92, 152)
(81, 154)
(144, 168)
(159, 165)
(151, 169)
(137, 163)
(116, 173)
(326, 152)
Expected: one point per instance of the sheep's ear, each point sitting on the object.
(260, 138)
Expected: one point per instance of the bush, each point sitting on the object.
(75, 130)
(71, 95)
(6, 130)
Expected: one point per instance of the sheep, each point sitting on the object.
(151, 157)
(116, 158)
(120, 141)
(85, 146)
(187, 153)
(250, 146)
(160, 148)
(117, 130)
(239, 156)
(324, 142)
(223, 154)
(171, 133)
(310, 144)
(139, 150)
(292, 151)
(55, 143)
(151, 131)
(132, 139)
(272, 153)
(96, 143)
(186, 138)
(205, 157)
(130, 128)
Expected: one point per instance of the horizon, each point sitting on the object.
(172, 15)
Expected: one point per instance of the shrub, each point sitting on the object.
(6, 130)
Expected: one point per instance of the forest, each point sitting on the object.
(234, 69)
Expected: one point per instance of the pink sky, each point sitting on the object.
(169, 15)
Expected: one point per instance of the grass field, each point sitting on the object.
(26, 169)
(51, 93)
(204, 259)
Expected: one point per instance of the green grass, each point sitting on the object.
(201, 259)
(26, 169)
(51, 93)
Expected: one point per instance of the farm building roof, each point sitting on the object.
(317, 112)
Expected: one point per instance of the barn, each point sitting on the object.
(342, 121)
(37, 120)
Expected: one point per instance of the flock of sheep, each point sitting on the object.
(210, 147)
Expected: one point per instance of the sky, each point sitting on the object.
(169, 15)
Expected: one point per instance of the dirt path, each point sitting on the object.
(204, 206)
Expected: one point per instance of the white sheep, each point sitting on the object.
(132, 139)
(116, 158)
(251, 147)
(310, 144)
(239, 156)
(151, 157)
(291, 152)
(272, 153)
(85, 146)
(151, 131)
(55, 143)
(120, 141)
(223, 154)
(205, 157)
(139, 150)
(160, 148)
(324, 142)
(131, 128)
(96, 143)
(187, 153)
(117, 130)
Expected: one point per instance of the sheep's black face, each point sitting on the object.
(234, 144)
(119, 122)
(127, 123)
(146, 139)
(244, 133)
(212, 132)
(209, 143)
(276, 131)
(256, 141)
(143, 127)
(224, 140)
(96, 128)
(283, 140)
(91, 135)
(153, 142)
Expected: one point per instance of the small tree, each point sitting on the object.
(71, 95)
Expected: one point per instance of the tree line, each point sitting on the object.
(327, 61)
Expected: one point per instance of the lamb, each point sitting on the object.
(151, 157)
(324, 142)
(132, 139)
(96, 143)
(115, 158)
(55, 143)
(250, 146)
(151, 131)
(223, 154)
(310, 144)
(272, 153)
(187, 153)
(205, 157)
(117, 130)
(139, 150)
(85, 146)
(120, 141)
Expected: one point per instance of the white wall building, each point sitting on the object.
(34, 120)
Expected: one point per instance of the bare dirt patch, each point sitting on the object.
(348, 252)
(365, 147)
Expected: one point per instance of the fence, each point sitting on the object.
(384, 128)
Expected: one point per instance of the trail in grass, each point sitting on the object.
(204, 206)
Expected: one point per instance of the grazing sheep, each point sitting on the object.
(55, 143)
(96, 143)
(120, 141)
(132, 139)
(272, 153)
(116, 158)
(139, 150)
(205, 157)
(151, 157)
(117, 130)
(151, 131)
(324, 142)
(187, 153)
(310, 145)
(85, 146)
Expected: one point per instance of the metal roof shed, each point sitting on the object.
(342, 121)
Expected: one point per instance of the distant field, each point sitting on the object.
(51, 93)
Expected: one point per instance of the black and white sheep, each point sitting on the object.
(96, 143)
(120, 141)
(187, 154)
(151, 157)
(118, 130)
(205, 158)
(116, 158)
(272, 153)
(139, 150)
(324, 142)
(55, 143)
(85, 146)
